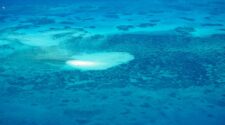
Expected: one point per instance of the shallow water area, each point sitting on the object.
(97, 62)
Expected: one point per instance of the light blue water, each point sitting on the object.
(97, 62)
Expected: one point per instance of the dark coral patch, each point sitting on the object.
(154, 20)
(67, 22)
(212, 25)
(187, 19)
(146, 25)
(91, 27)
(184, 30)
(3, 18)
(41, 21)
(222, 29)
(113, 16)
(125, 27)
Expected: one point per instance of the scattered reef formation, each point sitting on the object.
(174, 75)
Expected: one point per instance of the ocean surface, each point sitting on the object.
(112, 62)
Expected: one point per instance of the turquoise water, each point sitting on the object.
(98, 62)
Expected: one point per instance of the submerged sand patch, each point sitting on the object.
(99, 61)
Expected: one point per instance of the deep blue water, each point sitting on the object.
(114, 62)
